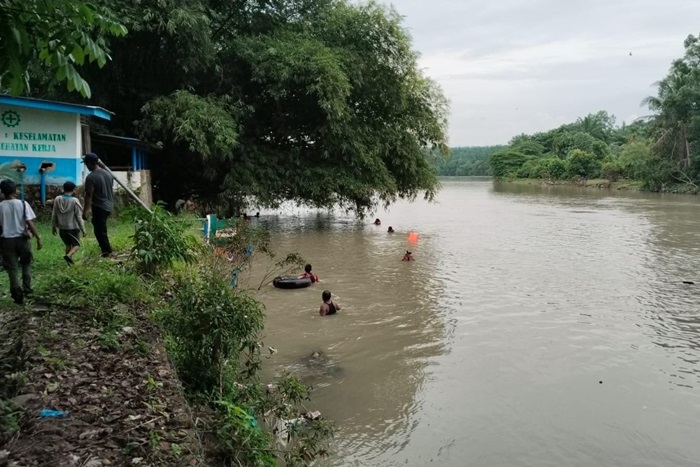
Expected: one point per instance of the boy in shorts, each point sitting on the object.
(68, 220)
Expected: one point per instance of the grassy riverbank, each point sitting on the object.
(129, 356)
(605, 184)
(596, 183)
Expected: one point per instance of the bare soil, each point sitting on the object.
(122, 400)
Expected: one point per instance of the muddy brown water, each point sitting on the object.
(537, 327)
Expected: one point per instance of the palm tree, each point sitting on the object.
(673, 114)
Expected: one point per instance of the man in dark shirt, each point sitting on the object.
(99, 200)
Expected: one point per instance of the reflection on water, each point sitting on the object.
(538, 326)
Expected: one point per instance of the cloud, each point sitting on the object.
(514, 66)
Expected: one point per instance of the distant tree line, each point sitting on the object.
(662, 151)
(466, 161)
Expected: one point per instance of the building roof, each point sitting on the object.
(54, 106)
(118, 140)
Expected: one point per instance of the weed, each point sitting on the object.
(129, 448)
(154, 440)
(55, 363)
(109, 340)
(52, 336)
(176, 449)
(142, 348)
(239, 434)
(152, 384)
(18, 379)
(160, 240)
(9, 420)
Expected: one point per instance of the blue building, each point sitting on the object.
(45, 137)
(44, 141)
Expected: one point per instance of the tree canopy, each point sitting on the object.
(466, 161)
(52, 38)
(661, 151)
(316, 101)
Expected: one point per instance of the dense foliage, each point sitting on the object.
(160, 240)
(52, 39)
(464, 161)
(315, 101)
(661, 151)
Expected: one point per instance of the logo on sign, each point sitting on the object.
(10, 118)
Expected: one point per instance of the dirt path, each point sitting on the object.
(111, 376)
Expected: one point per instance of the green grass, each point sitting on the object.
(54, 281)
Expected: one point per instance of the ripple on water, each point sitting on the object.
(553, 319)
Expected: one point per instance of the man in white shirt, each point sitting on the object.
(16, 221)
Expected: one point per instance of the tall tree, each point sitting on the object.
(677, 106)
(316, 101)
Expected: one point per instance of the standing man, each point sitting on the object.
(16, 220)
(99, 199)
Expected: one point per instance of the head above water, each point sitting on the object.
(307, 268)
(68, 187)
(390, 229)
(8, 187)
(90, 161)
(326, 295)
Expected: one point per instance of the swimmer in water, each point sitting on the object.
(329, 306)
(408, 256)
(377, 221)
(391, 229)
(309, 275)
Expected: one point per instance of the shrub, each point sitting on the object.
(241, 438)
(555, 167)
(506, 163)
(633, 158)
(612, 170)
(530, 169)
(209, 324)
(160, 240)
(582, 164)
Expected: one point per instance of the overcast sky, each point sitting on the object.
(519, 66)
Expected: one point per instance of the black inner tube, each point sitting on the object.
(290, 282)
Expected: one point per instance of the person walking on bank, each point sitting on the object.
(16, 221)
(99, 200)
(67, 219)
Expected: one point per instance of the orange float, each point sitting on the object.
(413, 238)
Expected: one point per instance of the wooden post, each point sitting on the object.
(146, 190)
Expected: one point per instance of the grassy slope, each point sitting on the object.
(99, 357)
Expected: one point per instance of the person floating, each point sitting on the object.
(99, 200)
(329, 306)
(257, 214)
(309, 275)
(17, 221)
(408, 256)
(390, 230)
(377, 221)
(67, 220)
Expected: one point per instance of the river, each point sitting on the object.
(538, 326)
